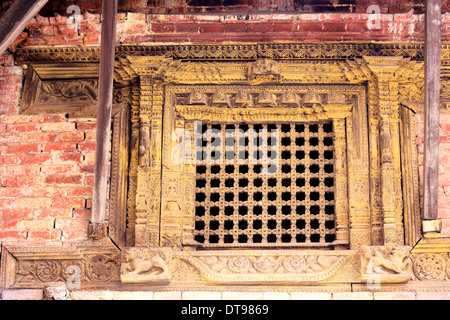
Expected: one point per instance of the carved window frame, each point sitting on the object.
(232, 267)
(181, 117)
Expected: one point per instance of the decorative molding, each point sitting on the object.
(264, 267)
(230, 52)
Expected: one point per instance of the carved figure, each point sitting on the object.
(394, 260)
(140, 266)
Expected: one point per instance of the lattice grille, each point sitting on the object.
(265, 184)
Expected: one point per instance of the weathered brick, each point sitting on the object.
(32, 203)
(59, 146)
(57, 126)
(20, 181)
(87, 146)
(23, 170)
(68, 202)
(47, 224)
(37, 158)
(75, 136)
(15, 213)
(43, 191)
(63, 179)
(22, 128)
(22, 148)
(46, 213)
(80, 192)
(66, 157)
(57, 169)
(12, 235)
(45, 235)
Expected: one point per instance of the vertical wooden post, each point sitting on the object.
(106, 83)
(432, 103)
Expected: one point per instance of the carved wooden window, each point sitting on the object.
(265, 184)
(257, 166)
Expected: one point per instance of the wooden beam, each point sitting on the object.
(432, 104)
(103, 135)
(14, 21)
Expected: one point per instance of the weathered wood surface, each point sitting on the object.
(16, 19)
(103, 135)
(432, 103)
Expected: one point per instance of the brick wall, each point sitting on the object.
(444, 166)
(233, 6)
(150, 28)
(46, 170)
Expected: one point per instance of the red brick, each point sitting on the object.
(88, 146)
(69, 157)
(260, 27)
(82, 213)
(11, 214)
(46, 213)
(58, 126)
(163, 27)
(310, 26)
(11, 192)
(48, 118)
(284, 27)
(45, 191)
(22, 128)
(6, 203)
(183, 27)
(22, 148)
(76, 136)
(68, 202)
(210, 28)
(237, 27)
(57, 168)
(20, 181)
(8, 160)
(41, 137)
(44, 235)
(85, 126)
(9, 224)
(59, 146)
(23, 203)
(80, 191)
(89, 181)
(38, 158)
(23, 170)
(13, 235)
(63, 179)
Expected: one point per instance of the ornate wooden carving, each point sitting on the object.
(167, 88)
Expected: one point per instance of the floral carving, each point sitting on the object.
(100, 268)
(429, 266)
(48, 271)
(239, 264)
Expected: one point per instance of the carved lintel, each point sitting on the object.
(98, 230)
(264, 70)
(146, 265)
(386, 264)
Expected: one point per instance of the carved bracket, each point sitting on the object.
(146, 265)
(386, 264)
